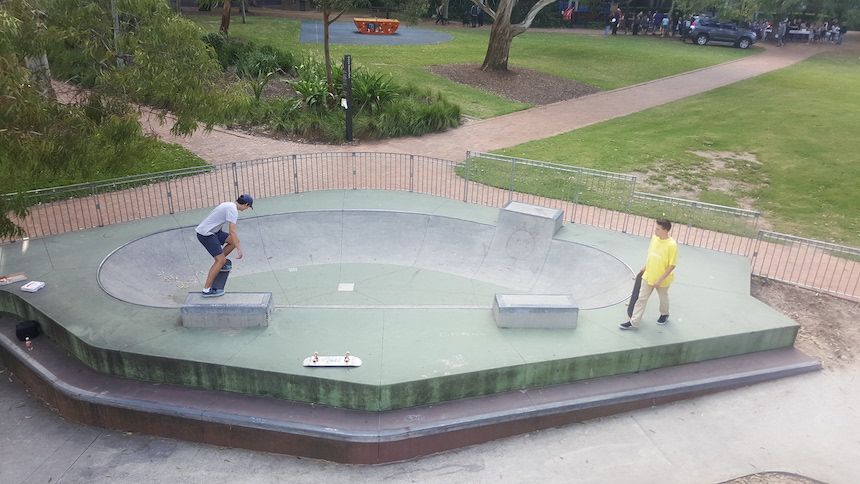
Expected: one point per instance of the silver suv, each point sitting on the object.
(706, 30)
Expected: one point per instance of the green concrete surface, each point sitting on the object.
(437, 351)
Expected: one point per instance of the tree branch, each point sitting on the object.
(336, 17)
(527, 22)
(486, 8)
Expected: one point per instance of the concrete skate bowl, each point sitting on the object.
(381, 258)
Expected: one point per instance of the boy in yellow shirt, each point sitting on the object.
(658, 274)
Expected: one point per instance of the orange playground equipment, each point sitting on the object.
(376, 26)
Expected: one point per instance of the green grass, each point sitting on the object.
(607, 63)
(799, 122)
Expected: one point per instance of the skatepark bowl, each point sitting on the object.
(405, 282)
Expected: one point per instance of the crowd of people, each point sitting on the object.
(799, 29)
(646, 23)
(665, 25)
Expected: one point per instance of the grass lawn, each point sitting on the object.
(799, 124)
(607, 63)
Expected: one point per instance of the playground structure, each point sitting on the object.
(376, 26)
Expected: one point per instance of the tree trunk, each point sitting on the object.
(41, 73)
(327, 53)
(501, 36)
(243, 11)
(225, 18)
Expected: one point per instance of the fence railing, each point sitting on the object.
(610, 200)
(592, 197)
(808, 263)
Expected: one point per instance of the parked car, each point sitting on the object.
(704, 30)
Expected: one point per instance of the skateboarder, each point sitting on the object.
(210, 233)
(658, 274)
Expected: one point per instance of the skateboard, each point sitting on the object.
(345, 360)
(637, 286)
(11, 278)
(221, 280)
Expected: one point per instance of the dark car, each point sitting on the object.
(706, 30)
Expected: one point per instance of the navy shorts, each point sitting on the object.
(214, 242)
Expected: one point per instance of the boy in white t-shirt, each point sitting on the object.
(211, 234)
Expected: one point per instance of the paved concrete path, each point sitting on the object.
(805, 425)
(222, 145)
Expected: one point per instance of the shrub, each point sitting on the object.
(413, 113)
(257, 67)
(312, 89)
(371, 90)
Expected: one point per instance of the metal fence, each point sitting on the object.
(808, 263)
(609, 200)
(592, 197)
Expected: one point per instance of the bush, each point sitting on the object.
(372, 90)
(413, 113)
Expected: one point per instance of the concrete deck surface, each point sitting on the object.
(419, 331)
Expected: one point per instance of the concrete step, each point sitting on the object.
(269, 424)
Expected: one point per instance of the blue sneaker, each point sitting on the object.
(213, 292)
(227, 267)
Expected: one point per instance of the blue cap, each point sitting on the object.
(245, 199)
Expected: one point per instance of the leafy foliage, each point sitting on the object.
(370, 90)
(44, 143)
(163, 60)
(258, 67)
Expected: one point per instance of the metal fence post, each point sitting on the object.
(750, 243)
(235, 180)
(296, 173)
(511, 186)
(411, 173)
(98, 206)
(169, 197)
(630, 194)
(353, 170)
(466, 184)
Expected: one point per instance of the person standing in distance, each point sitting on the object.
(219, 243)
(658, 274)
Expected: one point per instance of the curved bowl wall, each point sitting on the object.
(160, 269)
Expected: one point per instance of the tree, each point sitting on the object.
(225, 17)
(168, 66)
(29, 39)
(503, 31)
(332, 10)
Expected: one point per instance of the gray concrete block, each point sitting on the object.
(548, 311)
(544, 220)
(232, 310)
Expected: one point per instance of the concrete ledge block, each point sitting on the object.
(232, 310)
(549, 220)
(547, 311)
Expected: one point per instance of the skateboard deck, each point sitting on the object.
(637, 286)
(345, 360)
(221, 280)
(14, 277)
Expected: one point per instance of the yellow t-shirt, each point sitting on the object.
(662, 253)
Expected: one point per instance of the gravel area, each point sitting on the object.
(517, 84)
